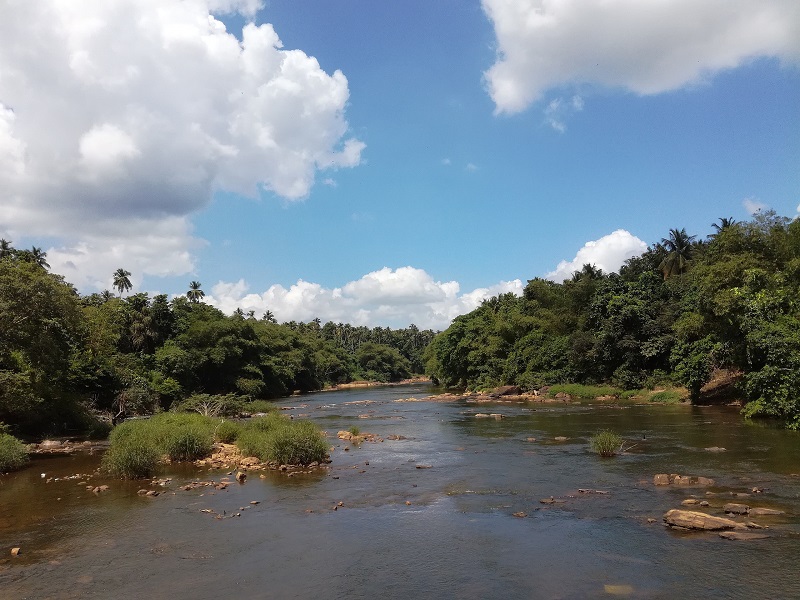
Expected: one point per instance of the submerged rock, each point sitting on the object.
(764, 511)
(690, 519)
(742, 535)
(736, 509)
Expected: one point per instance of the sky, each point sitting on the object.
(386, 163)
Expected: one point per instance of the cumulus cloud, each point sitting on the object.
(754, 205)
(123, 117)
(643, 47)
(608, 253)
(390, 297)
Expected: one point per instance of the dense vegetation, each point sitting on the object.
(679, 313)
(65, 358)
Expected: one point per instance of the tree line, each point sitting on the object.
(65, 357)
(680, 313)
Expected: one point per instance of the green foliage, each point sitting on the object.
(227, 432)
(13, 453)
(666, 397)
(586, 392)
(354, 430)
(606, 443)
(138, 446)
(213, 405)
(275, 438)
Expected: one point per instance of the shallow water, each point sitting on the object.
(447, 531)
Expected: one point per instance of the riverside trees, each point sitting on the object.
(675, 314)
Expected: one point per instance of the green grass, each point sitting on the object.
(354, 430)
(276, 438)
(137, 447)
(227, 432)
(666, 397)
(259, 406)
(13, 453)
(606, 443)
(585, 392)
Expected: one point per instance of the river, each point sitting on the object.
(447, 531)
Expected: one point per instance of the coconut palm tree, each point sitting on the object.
(269, 317)
(679, 246)
(5, 248)
(39, 257)
(121, 281)
(195, 294)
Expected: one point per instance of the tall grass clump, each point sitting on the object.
(138, 446)
(227, 432)
(667, 397)
(276, 438)
(585, 392)
(13, 454)
(606, 443)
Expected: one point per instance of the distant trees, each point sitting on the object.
(679, 252)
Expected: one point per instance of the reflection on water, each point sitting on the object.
(445, 531)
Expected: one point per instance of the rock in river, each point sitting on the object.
(742, 535)
(697, 520)
(736, 509)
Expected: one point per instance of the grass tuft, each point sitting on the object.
(606, 443)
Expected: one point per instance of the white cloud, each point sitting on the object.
(645, 47)
(754, 205)
(608, 253)
(136, 111)
(395, 298)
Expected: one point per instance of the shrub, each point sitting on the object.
(666, 397)
(211, 405)
(283, 441)
(606, 443)
(259, 406)
(188, 443)
(354, 430)
(13, 454)
(586, 392)
(267, 423)
(132, 456)
(227, 432)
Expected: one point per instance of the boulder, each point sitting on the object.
(506, 390)
(689, 502)
(241, 477)
(661, 479)
(705, 481)
(736, 509)
(50, 444)
(690, 519)
(15, 551)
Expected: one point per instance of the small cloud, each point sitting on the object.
(577, 103)
(608, 253)
(752, 205)
(330, 182)
(471, 167)
(557, 111)
(447, 162)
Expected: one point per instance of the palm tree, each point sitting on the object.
(122, 281)
(679, 246)
(269, 317)
(195, 294)
(106, 295)
(39, 257)
(724, 223)
(5, 248)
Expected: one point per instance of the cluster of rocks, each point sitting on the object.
(228, 456)
(357, 438)
(60, 447)
(675, 479)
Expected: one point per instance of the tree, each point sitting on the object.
(121, 280)
(195, 294)
(5, 248)
(679, 247)
(724, 223)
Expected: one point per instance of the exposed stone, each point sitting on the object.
(531, 439)
(764, 511)
(697, 520)
(142, 492)
(506, 390)
(424, 466)
(241, 477)
(50, 444)
(690, 501)
(742, 535)
(714, 449)
(736, 509)
(705, 481)
(520, 514)
(661, 479)
(15, 551)
(560, 438)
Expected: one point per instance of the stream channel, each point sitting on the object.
(445, 530)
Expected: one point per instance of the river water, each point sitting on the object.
(447, 531)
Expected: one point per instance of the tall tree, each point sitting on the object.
(121, 280)
(39, 257)
(5, 248)
(195, 294)
(679, 247)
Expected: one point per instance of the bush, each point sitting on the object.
(606, 443)
(283, 441)
(259, 406)
(227, 432)
(586, 392)
(13, 454)
(354, 430)
(210, 405)
(132, 456)
(666, 397)
(137, 446)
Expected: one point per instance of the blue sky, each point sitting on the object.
(606, 124)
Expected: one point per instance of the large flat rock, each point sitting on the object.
(691, 519)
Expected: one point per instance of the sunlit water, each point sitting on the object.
(447, 531)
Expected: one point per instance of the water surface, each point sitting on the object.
(447, 531)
